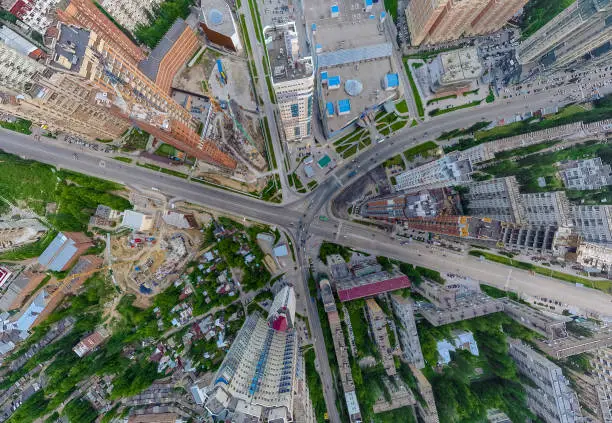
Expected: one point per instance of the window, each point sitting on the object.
(296, 131)
(295, 110)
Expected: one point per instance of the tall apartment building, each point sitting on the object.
(257, 376)
(602, 371)
(436, 21)
(447, 171)
(292, 80)
(130, 13)
(409, 338)
(84, 13)
(378, 324)
(427, 408)
(552, 397)
(37, 14)
(84, 53)
(588, 174)
(546, 208)
(16, 69)
(581, 29)
(593, 223)
(171, 53)
(496, 198)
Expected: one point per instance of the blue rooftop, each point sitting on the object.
(314, 27)
(392, 80)
(330, 108)
(324, 76)
(334, 81)
(344, 105)
(335, 8)
(58, 253)
(368, 2)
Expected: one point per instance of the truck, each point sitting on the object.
(323, 218)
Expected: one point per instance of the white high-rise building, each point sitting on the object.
(37, 14)
(130, 13)
(16, 68)
(292, 80)
(256, 379)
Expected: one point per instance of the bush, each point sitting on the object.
(163, 17)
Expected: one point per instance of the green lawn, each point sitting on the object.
(415, 91)
(435, 100)
(391, 7)
(123, 159)
(164, 16)
(269, 147)
(438, 112)
(166, 150)
(20, 125)
(137, 139)
(423, 150)
(402, 107)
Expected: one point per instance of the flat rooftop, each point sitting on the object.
(284, 54)
(351, 26)
(370, 74)
(150, 66)
(70, 47)
(460, 65)
(217, 16)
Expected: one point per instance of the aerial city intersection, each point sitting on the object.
(271, 211)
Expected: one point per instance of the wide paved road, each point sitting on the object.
(290, 216)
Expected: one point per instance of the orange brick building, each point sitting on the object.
(84, 13)
(177, 46)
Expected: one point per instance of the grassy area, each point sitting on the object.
(76, 195)
(352, 136)
(423, 150)
(395, 161)
(603, 285)
(34, 249)
(446, 97)
(529, 168)
(391, 7)
(402, 106)
(462, 132)
(315, 386)
(269, 147)
(123, 159)
(523, 151)
(20, 125)
(294, 180)
(163, 17)
(415, 91)
(272, 192)
(438, 112)
(417, 65)
(465, 94)
(245, 35)
(490, 98)
(539, 12)
(164, 170)
(166, 150)
(136, 139)
(256, 19)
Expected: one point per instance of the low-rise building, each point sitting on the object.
(90, 343)
(595, 257)
(180, 220)
(537, 321)
(137, 221)
(371, 284)
(394, 208)
(552, 398)
(455, 70)
(588, 174)
(5, 275)
(444, 172)
(338, 268)
(63, 251)
(462, 340)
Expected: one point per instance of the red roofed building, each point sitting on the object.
(5, 274)
(88, 344)
(372, 284)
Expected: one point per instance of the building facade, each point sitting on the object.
(552, 397)
(292, 80)
(496, 198)
(578, 31)
(84, 13)
(130, 13)
(37, 14)
(447, 171)
(595, 256)
(256, 380)
(588, 174)
(378, 325)
(593, 223)
(218, 23)
(437, 21)
(409, 338)
(16, 69)
(546, 208)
